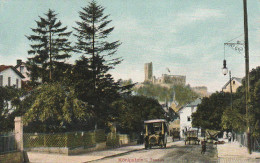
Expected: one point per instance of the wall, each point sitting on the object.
(12, 157)
(234, 86)
(184, 123)
(10, 73)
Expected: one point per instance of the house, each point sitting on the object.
(9, 76)
(21, 67)
(235, 83)
(185, 116)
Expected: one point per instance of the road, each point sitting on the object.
(175, 152)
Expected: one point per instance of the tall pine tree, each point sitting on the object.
(91, 33)
(50, 48)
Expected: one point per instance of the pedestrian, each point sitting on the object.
(203, 147)
(229, 137)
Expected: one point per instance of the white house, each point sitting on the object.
(9, 76)
(185, 116)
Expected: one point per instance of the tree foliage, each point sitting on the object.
(130, 113)
(238, 120)
(91, 34)
(55, 108)
(210, 111)
(182, 94)
(215, 111)
(9, 99)
(100, 89)
(50, 47)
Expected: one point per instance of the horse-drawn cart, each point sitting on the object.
(191, 136)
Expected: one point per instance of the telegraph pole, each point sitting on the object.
(247, 75)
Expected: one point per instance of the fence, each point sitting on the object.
(7, 143)
(242, 139)
(69, 139)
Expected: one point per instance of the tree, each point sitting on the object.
(210, 111)
(238, 119)
(98, 58)
(182, 94)
(50, 47)
(91, 36)
(8, 98)
(131, 112)
(56, 108)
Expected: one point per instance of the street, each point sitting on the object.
(175, 152)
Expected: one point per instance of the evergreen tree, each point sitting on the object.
(91, 36)
(98, 52)
(50, 47)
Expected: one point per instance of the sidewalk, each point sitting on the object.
(36, 157)
(233, 150)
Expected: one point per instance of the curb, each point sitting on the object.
(115, 155)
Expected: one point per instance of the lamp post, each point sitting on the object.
(246, 72)
(225, 71)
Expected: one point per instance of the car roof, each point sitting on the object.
(155, 121)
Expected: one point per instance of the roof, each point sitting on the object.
(194, 103)
(191, 104)
(5, 67)
(233, 78)
(155, 121)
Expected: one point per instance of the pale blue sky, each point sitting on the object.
(187, 36)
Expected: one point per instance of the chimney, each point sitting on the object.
(19, 61)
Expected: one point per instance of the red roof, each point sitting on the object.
(4, 67)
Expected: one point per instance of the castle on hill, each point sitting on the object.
(165, 79)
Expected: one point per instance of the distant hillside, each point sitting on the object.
(182, 94)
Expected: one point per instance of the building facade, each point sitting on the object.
(235, 83)
(9, 76)
(185, 114)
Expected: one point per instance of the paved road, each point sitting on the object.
(175, 152)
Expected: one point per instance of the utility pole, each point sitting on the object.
(247, 75)
(230, 80)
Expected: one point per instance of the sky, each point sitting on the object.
(186, 36)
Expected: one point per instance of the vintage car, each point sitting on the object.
(155, 133)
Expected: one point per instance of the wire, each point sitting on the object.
(236, 38)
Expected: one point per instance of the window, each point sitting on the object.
(9, 81)
(22, 69)
(17, 83)
(1, 80)
(188, 118)
(234, 82)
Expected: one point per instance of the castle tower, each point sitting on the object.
(148, 71)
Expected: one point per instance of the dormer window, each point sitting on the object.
(22, 69)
